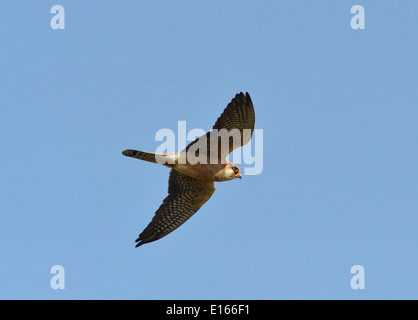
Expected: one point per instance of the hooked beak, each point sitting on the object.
(240, 176)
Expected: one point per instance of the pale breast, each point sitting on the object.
(206, 172)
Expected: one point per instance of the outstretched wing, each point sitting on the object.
(185, 197)
(233, 129)
(239, 114)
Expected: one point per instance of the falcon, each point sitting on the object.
(191, 183)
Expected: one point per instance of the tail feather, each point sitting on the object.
(167, 159)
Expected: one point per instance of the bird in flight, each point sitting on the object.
(195, 169)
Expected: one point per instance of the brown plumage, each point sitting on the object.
(191, 184)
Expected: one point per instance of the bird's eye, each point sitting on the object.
(236, 170)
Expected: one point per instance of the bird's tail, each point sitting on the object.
(166, 159)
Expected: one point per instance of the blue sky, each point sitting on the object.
(338, 110)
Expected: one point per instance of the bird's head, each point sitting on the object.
(233, 172)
